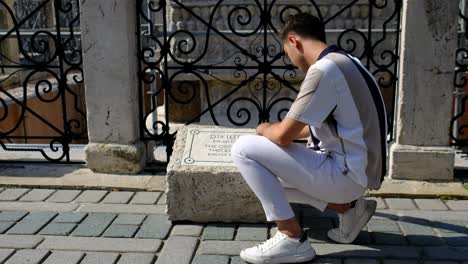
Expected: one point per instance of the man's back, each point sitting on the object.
(354, 129)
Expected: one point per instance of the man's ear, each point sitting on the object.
(291, 40)
(296, 43)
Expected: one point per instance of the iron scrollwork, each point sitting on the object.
(233, 46)
(47, 69)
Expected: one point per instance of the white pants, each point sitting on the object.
(293, 173)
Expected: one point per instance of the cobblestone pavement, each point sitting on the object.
(74, 226)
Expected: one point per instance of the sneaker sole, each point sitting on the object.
(371, 206)
(286, 259)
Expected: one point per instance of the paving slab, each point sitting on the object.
(146, 197)
(321, 260)
(32, 223)
(193, 230)
(223, 247)
(440, 262)
(123, 208)
(451, 226)
(75, 176)
(63, 196)
(361, 261)
(12, 216)
(19, 241)
(409, 188)
(389, 238)
(118, 198)
(430, 204)
(210, 259)
(13, 194)
(61, 257)
(379, 225)
(238, 260)
(219, 231)
(37, 195)
(178, 250)
(103, 244)
(455, 239)
(5, 253)
(126, 231)
(423, 214)
(4, 226)
(29, 256)
(137, 258)
(90, 196)
(162, 199)
(419, 232)
(38, 206)
(457, 253)
(58, 229)
(94, 225)
(100, 258)
(400, 204)
(252, 232)
(129, 219)
(155, 226)
(458, 205)
(401, 261)
(371, 251)
(69, 217)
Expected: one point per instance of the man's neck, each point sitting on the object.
(313, 50)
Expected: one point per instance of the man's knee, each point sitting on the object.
(243, 145)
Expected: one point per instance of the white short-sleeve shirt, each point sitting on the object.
(341, 102)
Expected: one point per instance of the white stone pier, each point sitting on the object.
(428, 41)
(109, 44)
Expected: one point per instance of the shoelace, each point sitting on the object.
(343, 230)
(266, 244)
(341, 225)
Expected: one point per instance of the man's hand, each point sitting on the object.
(261, 128)
(282, 133)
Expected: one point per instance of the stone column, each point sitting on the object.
(428, 43)
(109, 42)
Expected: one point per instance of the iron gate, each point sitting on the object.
(459, 121)
(221, 63)
(41, 100)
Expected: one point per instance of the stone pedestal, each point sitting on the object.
(428, 42)
(110, 69)
(202, 182)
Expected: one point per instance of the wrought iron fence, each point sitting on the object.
(41, 91)
(459, 121)
(221, 63)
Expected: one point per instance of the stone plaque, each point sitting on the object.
(203, 185)
(210, 146)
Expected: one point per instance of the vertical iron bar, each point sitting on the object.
(398, 4)
(458, 91)
(165, 50)
(140, 88)
(63, 79)
(265, 52)
(369, 50)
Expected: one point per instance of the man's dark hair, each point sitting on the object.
(305, 25)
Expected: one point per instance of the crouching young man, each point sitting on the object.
(340, 108)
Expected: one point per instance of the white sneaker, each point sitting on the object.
(280, 249)
(353, 221)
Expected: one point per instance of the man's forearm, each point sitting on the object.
(270, 131)
(305, 132)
